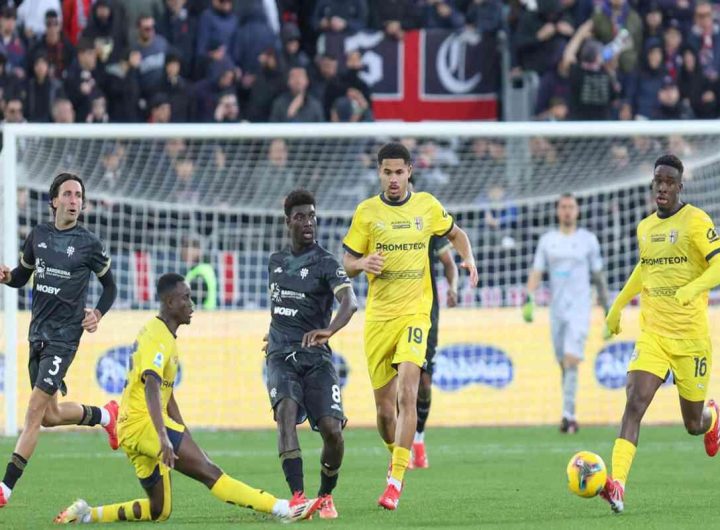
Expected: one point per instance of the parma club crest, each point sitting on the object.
(673, 236)
(419, 223)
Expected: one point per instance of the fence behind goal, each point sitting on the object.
(207, 202)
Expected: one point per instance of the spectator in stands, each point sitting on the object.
(228, 108)
(613, 16)
(41, 91)
(98, 109)
(643, 91)
(106, 29)
(63, 111)
(177, 89)
(31, 17)
(324, 74)
(122, 87)
(351, 108)
(272, 177)
(487, 15)
(652, 22)
(705, 39)
(58, 49)
(134, 9)
(10, 42)
(699, 92)
(152, 48)
(160, 110)
(348, 79)
(82, 79)
(112, 166)
(557, 110)
(672, 39)
(541, 36)
(222, 78)
(395, 17)
(430, 176)
(500, 213)
(442, 14)
(14, 110)
(217, 21)
(670, 106)
(187, 188)
(269, 83)
(679, 10)
(297, 105)
(292, 53)
(337, 16)
(180, 29)
(253, 35)
(216, 54)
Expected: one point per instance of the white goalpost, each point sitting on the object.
(206, 201)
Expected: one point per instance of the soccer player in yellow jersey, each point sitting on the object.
(154, 436)
(389, 240)
(679, 264)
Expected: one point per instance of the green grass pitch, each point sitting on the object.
(479, 478)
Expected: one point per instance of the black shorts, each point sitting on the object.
(432, 340)
(309, 379)
(48, 364)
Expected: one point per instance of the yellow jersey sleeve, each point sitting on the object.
(152, 357)
(357, 239)
(441, 222)
(704, 236)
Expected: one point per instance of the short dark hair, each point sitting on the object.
(393, 150)
(298, 198)
(59, 181)
(167, 283)
(672, 161)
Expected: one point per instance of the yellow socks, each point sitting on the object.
(400, 460)
(137, 510)
(390, 446)
(227, 489)
(713, 418)
(622, 458)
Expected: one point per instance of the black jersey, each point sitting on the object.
(302, 291)
(62, 260)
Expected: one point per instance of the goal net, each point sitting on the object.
(207, 202)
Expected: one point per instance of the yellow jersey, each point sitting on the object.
(155, 355)
(401, 232)
(673, 252)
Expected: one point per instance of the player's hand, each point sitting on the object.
(612, 321)
(167, 453)
(91, 320)
(528, 309)
(4, 274)
(452, 298)
(472, 271)
(316, 337)
(685, 295)
(373, 263)
(265, 344)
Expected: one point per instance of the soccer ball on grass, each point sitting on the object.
(586, 474)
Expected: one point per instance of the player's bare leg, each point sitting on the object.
(330, 462)
(424, 399)
(289, 447)
(407, 388)
(71, 413)
(194, 463)
(569, 365)
(700, 418)
(640, 390)
(386, 410)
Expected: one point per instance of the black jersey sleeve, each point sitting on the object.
(333, 274)
(99, 259)
(27, 256)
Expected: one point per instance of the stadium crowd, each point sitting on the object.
(259, 60)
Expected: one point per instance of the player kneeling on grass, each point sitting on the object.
(301, 378)
(154, 437)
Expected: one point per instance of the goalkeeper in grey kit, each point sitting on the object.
(571, 258)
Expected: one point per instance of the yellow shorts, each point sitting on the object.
(689, 359)
(391, 342)
(142, 445)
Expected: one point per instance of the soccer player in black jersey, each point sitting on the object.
(302, 381)
(62, 254)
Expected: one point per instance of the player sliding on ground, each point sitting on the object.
(62, 253)
(154, 437)
(301, 378)
(389, 240)
(679, 264)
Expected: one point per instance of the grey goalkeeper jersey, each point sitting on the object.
(569, 261)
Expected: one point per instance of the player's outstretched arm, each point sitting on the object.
(706, 281)
(461, 242)
(631, 289)
(451, 275)
(154, 405)
(371, 264)
(16, 277)
(348, 305)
